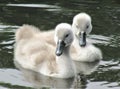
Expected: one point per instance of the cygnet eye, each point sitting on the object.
(66, 35)
(87, 26)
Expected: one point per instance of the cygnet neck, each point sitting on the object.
(66, 51)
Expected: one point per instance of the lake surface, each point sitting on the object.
(46, 14)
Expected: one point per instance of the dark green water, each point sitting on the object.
(46, 14)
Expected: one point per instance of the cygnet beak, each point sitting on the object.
(82, 39)
(60, 47)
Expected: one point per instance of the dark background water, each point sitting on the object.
(46, 14)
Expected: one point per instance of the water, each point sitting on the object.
(45, 14)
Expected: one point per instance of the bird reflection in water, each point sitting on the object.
(83, 69)
(80, 81)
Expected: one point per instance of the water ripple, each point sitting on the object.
(13, 77)
(7, 42)
(99, 39)
(34, 5)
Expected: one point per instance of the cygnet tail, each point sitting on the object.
(26, 32)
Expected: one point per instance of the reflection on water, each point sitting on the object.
(34, 5)
(45, 15)
(38, 80)
(12, 77)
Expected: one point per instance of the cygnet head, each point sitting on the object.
(63, 37)
(81, 27)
